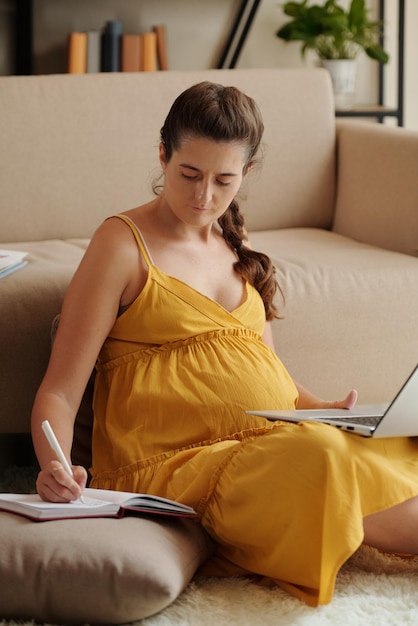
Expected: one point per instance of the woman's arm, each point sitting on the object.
(102, 282)
(308, 400)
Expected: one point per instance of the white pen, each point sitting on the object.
(53, 442)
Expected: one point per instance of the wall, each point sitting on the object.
(197, 31)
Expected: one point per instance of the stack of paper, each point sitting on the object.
(11, 260)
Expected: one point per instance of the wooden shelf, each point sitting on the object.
(239, 32)
(370, 110)
(229, 57)
(379, 110)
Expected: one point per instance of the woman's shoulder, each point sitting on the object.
(112, 244)
(119, 227)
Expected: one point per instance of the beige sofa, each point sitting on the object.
(335, 205)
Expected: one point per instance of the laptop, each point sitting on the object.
(399, 418)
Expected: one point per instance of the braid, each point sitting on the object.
(256, 267)
(233, 226)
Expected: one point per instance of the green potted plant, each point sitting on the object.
(336, 35)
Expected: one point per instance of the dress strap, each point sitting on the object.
(138, 236)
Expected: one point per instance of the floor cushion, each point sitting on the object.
(96, 571)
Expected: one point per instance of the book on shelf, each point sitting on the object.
(131, 53)
(111, 50)
(10, 261)
(77, 53)
(149, 52)
(111, 42)
(97, 503)
(93, 51)
(162, 54)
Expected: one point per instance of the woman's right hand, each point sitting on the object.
(54, 484)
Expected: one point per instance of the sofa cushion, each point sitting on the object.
(96, 571)
(68, 161)
(351, 310)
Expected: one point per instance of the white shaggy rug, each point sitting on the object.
(372, 590)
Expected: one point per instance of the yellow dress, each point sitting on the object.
(284, 501)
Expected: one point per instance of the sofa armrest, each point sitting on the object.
(377, 185)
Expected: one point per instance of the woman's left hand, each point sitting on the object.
(348, 402)
(308, 400)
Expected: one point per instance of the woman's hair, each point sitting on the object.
(226, 114)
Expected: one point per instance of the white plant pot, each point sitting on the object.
(343, 76)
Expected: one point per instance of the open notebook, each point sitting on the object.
(397, 419)
(97, 503)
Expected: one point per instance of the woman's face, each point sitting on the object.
(202, 178)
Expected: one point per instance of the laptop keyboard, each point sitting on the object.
(365, 420)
